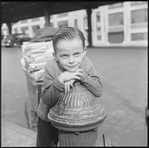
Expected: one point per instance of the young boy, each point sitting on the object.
(69, 64)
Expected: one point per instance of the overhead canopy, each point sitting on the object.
(16, 11)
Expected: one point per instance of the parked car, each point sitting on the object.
(2, 36)
(14, 40)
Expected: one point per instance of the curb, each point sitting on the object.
(16, 136)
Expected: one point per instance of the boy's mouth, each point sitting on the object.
(72, 66)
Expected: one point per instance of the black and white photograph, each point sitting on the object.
(74, 74)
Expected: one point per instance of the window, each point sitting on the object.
(35, 28)
(51, 24)
(116, 37)
(85, 22)
(98, 16)
(51, 16)
(62, 23)
(139, 36)
(35, 19)
(62, 15)
(116, 19)
(24, 21)
(76, 23)
(98, 32)
(98, 37)
(15, 30)
(138, 16)
(24, 30)
(138, 3)
(117, 5)
(98, 28)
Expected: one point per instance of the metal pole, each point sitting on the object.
(89, 12)
(9, 25)
(47, 17)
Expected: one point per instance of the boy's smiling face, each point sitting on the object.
(70, 54)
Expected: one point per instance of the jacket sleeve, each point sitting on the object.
(51, 91)
(52, 87)
(91, 79)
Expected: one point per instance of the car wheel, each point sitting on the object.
(16, 45)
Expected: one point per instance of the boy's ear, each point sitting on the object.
(85, 51)
(55, 57)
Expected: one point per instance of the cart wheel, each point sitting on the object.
(27, 114)
(34, 119)
(107, 142)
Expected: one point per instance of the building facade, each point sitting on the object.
(118, 24)
(122, 23)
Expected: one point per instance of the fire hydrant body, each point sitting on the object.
(84, 138)
(77, 115)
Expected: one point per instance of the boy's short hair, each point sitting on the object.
(67, 33)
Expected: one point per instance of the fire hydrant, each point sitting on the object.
(77, 115)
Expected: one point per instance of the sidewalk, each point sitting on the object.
(14, 135)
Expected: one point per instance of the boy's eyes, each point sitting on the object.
(75, 54)
(64, 56)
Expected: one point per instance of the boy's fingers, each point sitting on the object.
(71, 83)
(68, 86)
(65, 87)
(80, 75)
(77, 77)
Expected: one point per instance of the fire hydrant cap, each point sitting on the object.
(77, 110)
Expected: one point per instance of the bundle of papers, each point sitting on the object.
(35, 56)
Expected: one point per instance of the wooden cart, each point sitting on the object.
(34, 93)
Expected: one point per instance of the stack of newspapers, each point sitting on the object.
(35, 56)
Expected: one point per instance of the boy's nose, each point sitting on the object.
(71, 60)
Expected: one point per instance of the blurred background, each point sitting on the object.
(119, 23)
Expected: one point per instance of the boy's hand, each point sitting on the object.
(67, 76)
(68, 84)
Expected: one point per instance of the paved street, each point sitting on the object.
(14, 89)
(124, 75)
